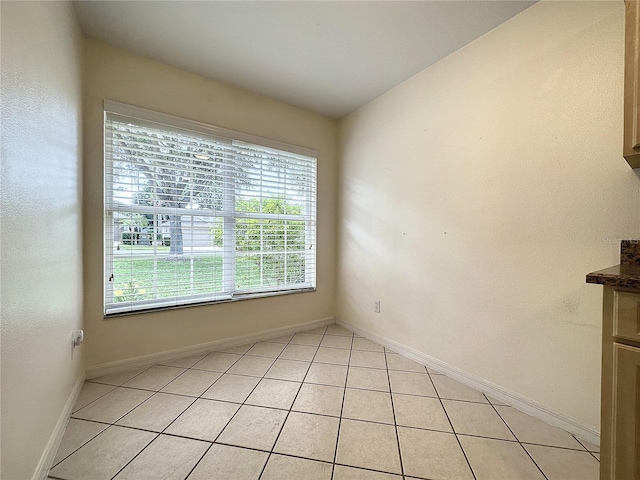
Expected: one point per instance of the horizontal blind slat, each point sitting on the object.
(256, 237)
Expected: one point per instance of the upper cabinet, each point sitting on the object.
(632, 84)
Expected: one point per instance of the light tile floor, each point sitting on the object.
(324, 404)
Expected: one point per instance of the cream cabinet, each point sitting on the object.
(631, 149)
(620, 435)
(626, 402)
(620, 412)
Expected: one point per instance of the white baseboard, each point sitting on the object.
(520, 402)
(51, 449)
(151, 359)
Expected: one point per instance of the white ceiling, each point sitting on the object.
(328, 56)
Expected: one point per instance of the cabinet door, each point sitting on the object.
(632, 84)
(626, 405)
(626, 316)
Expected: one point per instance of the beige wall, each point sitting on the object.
(114, 74)
(41, 226)
(475, 196)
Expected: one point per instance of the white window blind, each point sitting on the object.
(195, 214)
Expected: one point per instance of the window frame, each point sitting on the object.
(228, 214)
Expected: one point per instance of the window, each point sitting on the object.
(195, 214)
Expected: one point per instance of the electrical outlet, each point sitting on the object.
(77, 337)
(376, 306)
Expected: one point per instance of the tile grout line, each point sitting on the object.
(295, 456)
(121, 385)
(344, 394)
(155, 392)
(135, 456)
(186, 369)
(393, 411)
(324, 415)
(74, 451)
(98, 398)
(170, 423)
(199, 460)
(244, 403)
(252, 449)
(289, 410)
(200, 398)
(330, 416)
(236, 412)
(158, 433)
(516, 437)
(451, 424)
(593, 454)
(136, 375)
(553, 446)
(287, 380)
(290, 455)
(114, 423)
(291, 407)
(196, 396)
(585, 447)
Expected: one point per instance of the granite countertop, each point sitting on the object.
(625, 275)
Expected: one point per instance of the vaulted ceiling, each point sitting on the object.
(328, 56)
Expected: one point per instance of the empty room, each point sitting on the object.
(332, 240)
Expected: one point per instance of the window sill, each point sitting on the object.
(238, 298)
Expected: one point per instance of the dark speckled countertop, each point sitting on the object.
(625, 275)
